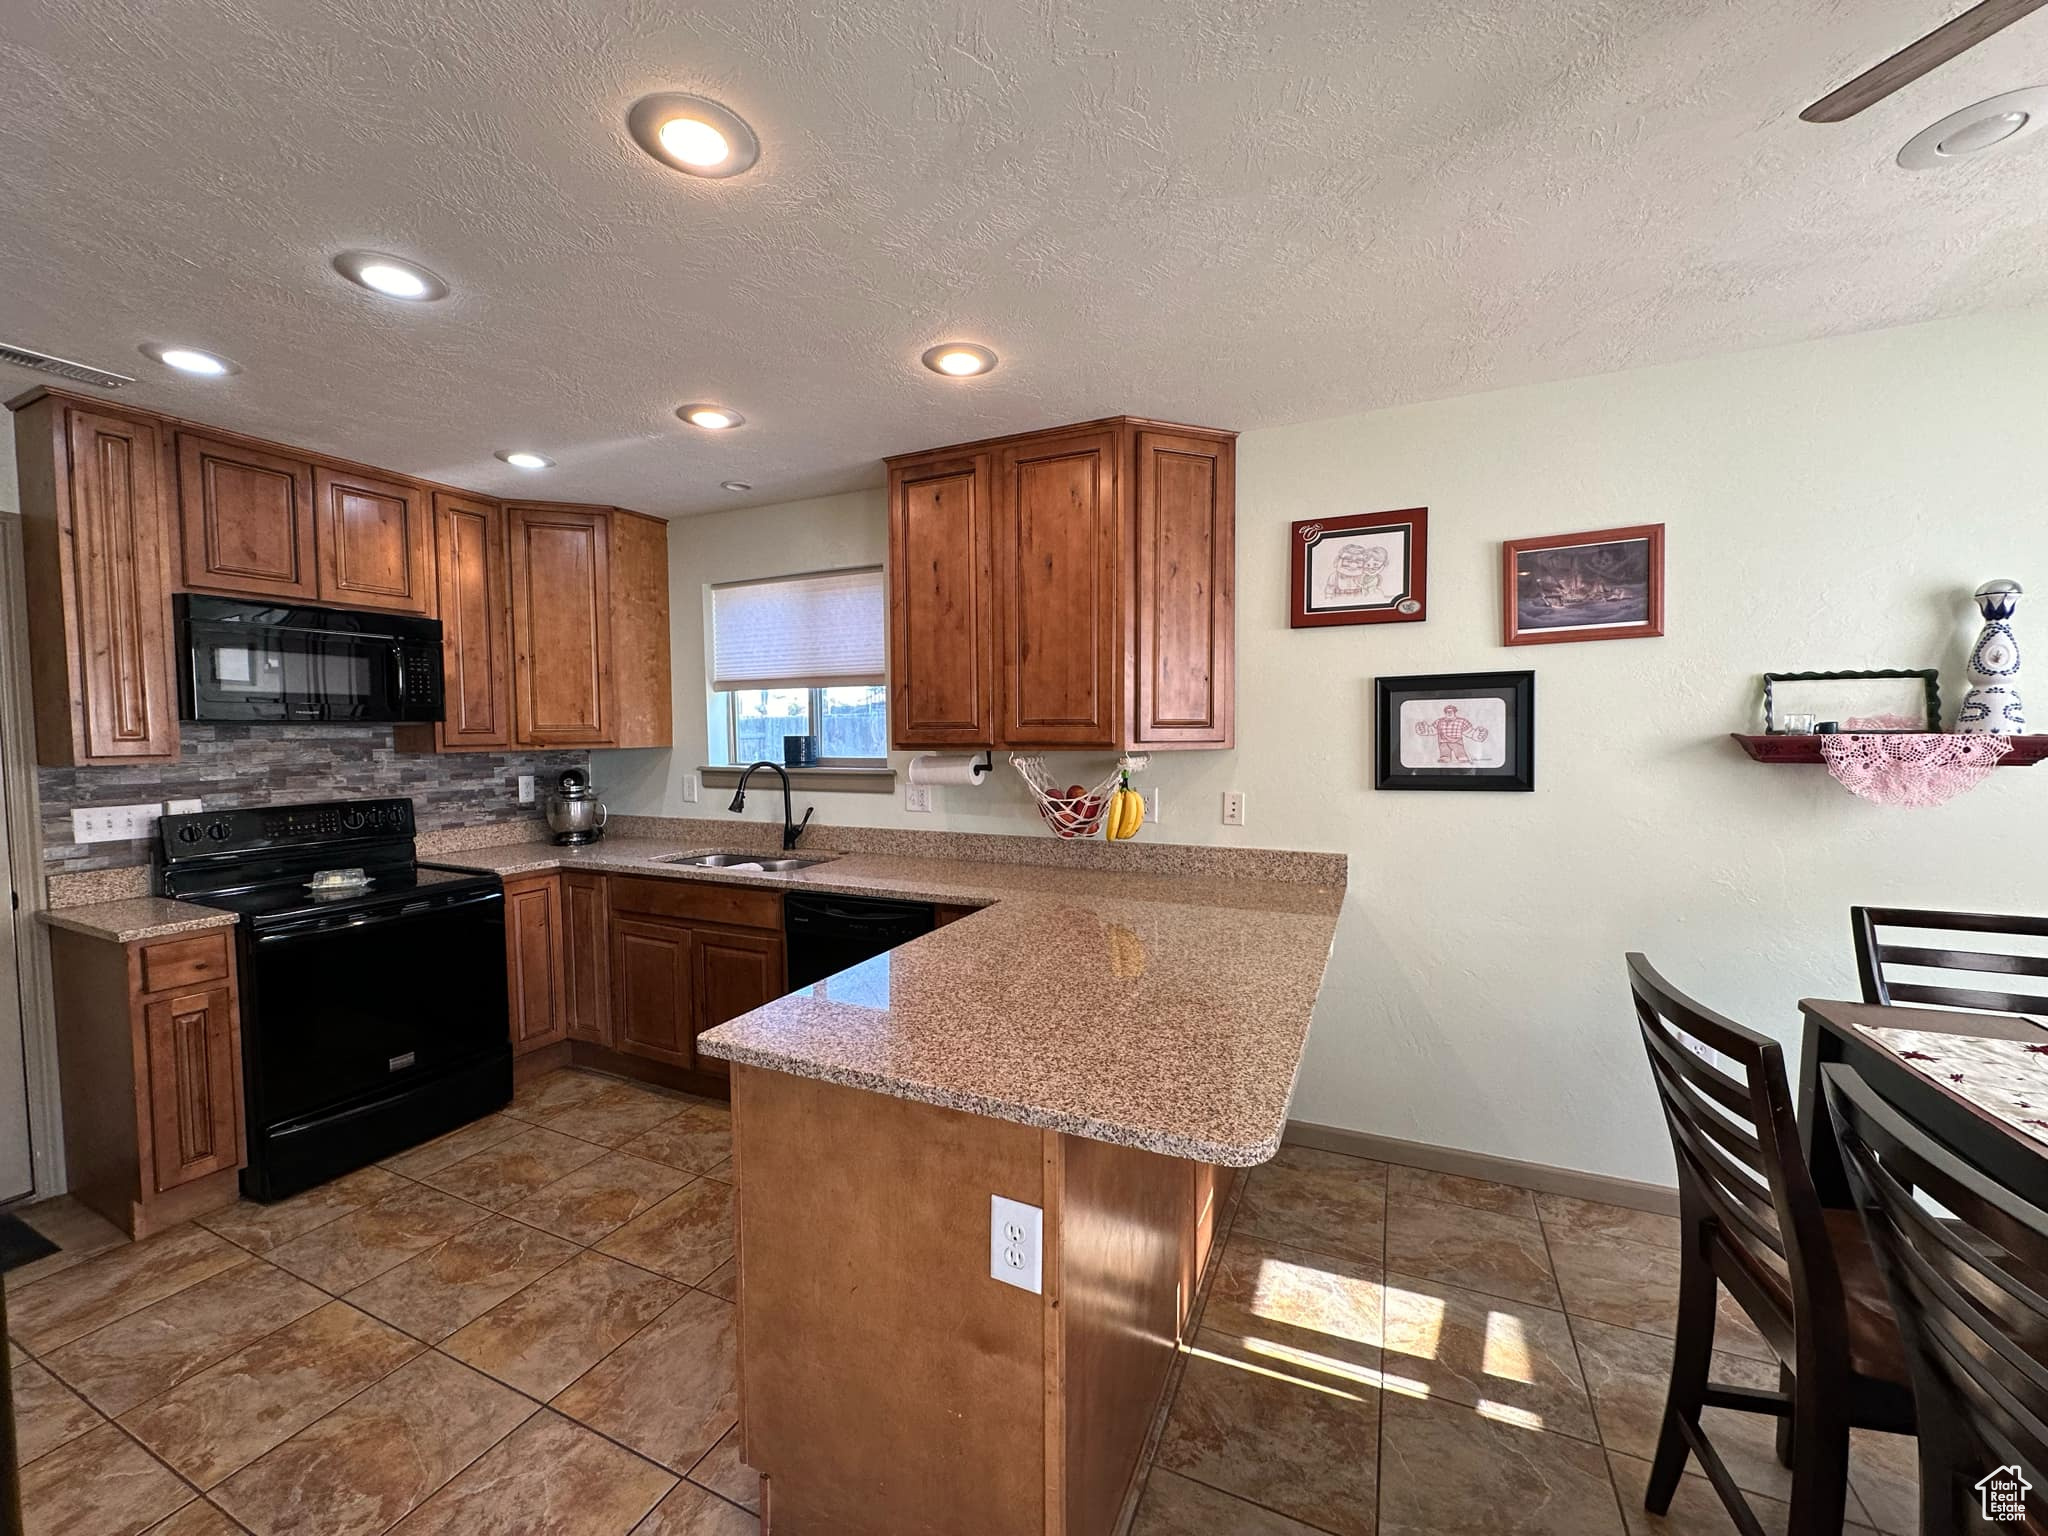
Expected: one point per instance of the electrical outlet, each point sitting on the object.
(917, 797)
(183, 808)
(1154, 815)
(115, 823)
(1233, 807)
(693, 789)
(526, 789)
(1015, 1249)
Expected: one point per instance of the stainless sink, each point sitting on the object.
(773, 866)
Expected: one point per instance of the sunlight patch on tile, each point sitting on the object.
(1290, 1379)
(1507, 1349)
(1508, 1413)
(1425, 1322)
(1309, 1360)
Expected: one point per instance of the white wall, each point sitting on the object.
(1828, 506)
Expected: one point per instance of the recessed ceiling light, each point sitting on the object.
(523, 458)
(693, 135)
(959, 359)
(391, 276)
(712, 418)
(734, 485)
(1987, 125)
(204, 365)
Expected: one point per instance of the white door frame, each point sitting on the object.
(25, 853)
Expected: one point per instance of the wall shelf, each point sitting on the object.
(1788, 748)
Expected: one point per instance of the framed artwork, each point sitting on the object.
(1369, 569)
(1457, 730)
(1604, 585)
(1902, 699)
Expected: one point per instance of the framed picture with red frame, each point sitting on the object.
(1604, 585)
(1369, 569)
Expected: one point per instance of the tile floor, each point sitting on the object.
(527, 1326)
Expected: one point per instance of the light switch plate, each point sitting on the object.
(526, 789)
(692, 788)
(115, 823)
(1016, 1249)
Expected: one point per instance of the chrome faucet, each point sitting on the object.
(791, 830)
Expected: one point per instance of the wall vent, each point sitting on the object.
(63, 368)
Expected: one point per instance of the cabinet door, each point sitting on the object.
(119, 621)
(735, 974)
(476, 630)
(652, 997)
(1056, 593)
(561, 626)
(940, 628)
(586, 952)
(533, 962)
(248, 520)
(1186, 618)
(195, 1085)
(375, 547)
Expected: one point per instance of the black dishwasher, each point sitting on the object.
(829, 934)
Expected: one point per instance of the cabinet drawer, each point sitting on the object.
(697, 902)
(184, 962)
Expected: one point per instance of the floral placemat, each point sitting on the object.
(2004, 1078)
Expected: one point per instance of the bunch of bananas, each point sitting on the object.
(1126, 813)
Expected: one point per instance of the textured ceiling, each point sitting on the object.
(1234, 212)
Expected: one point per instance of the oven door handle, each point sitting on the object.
(304, 927)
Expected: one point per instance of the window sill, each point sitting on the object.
(859, 781)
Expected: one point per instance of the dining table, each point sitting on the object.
(1974, 1089)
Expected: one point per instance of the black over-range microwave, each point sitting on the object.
(243, 661)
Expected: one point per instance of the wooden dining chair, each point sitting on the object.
(1876, 959)
(1970, 1288)
(1751, 1222)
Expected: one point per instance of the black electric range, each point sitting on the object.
(373, 1017)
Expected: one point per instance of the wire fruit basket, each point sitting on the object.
(1072, 815)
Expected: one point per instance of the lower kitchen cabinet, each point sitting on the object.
(149, 1047)
(735, 974)
(534, 962)
(586, 958)
(651, 991)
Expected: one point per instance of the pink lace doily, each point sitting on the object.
(1917, 769)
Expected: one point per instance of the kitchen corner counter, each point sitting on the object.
(1148, 1011)
(139, 917)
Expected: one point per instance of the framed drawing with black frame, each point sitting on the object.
(1368, 569)
(1604, 585)
(1457, 730)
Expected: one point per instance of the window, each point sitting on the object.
(797, 655)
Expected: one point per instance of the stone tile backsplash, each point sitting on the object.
(229, 766)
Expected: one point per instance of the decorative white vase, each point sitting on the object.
(1992, 706)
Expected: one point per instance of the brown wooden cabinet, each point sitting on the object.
(247, 517)
(735, 974)
(651, 992)
(149, 1046)
(561, 624)
(476, 625)
(586, 957)
(940, 615)
(95, 544)
(642, 701)
(376, 550)
(1112, 619)
(533, 962)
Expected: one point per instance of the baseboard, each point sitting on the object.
(1637, 1196)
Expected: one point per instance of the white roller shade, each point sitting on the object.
(822, 631)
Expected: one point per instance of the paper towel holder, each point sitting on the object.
(984, 764)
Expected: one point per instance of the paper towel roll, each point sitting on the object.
(945, 768)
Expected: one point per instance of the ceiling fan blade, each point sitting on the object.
(1916, 59)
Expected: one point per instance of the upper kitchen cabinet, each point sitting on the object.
(95, 543)
(247, 518)
(376, 549)
(940, 619)
(643, 705)
(562, 693)
(476, 624)
(1065, 590)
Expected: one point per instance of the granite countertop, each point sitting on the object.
(139, 917)
(1146, 1010)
